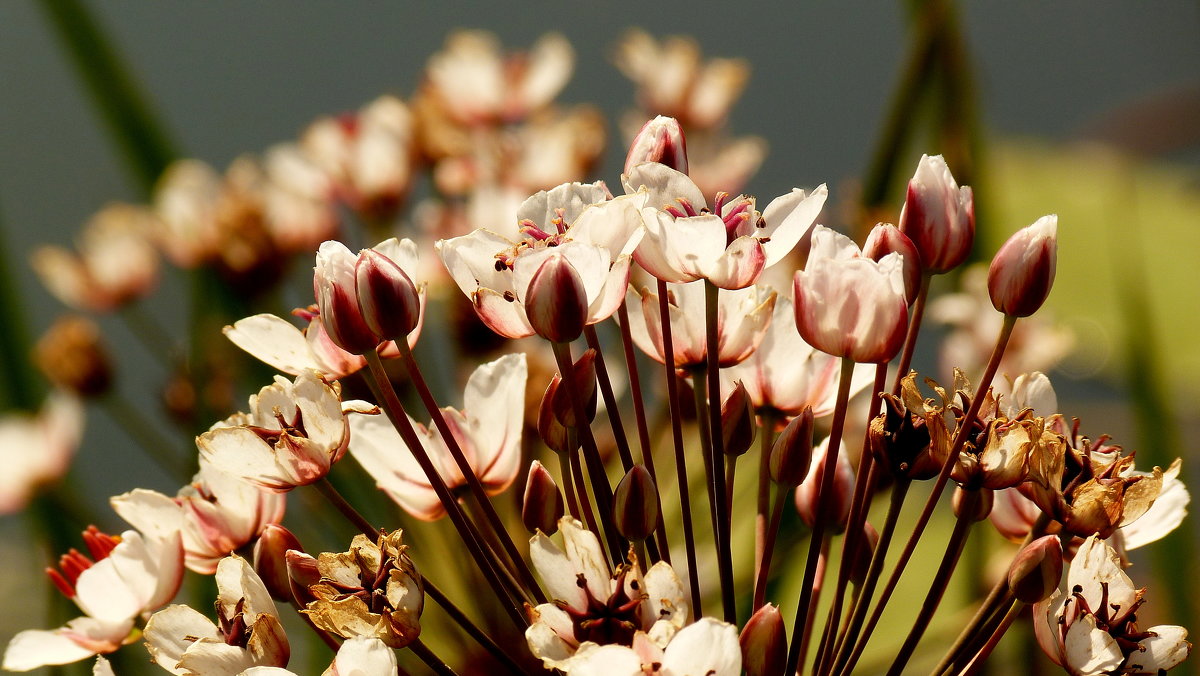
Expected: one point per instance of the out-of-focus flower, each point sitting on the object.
(297, 199)
(848, 305)
(475, 83)
(488, 430)
(247, 632)
(785, 374)
(292, 435)
(373, 590)
(1092, 627)
(551, 148)
(729, 245)
(594, 235)
(220, 514)
(742, 320)
(125, 577)
(186, 201)
(115, 264)
(593, 605)
(71, 355)
(358, 656)
(37, 449)
(938, 216)
(1022, 271)
(709, 647)
(368, 155)
(808, 493)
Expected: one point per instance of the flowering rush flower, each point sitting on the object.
(292, 435)
(487, 429)
(1092, 628)
(576, 222)
(247, 632)
(37, 449)
(358, 656)
(938, 216)
(848, 305)
(730, 244)
(125, 577)
(220, 514)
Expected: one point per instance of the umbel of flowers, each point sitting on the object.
(769, 321)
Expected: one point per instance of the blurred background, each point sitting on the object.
(1090, 110)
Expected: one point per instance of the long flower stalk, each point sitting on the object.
(716, 444)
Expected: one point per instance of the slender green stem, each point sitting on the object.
(715, 494)
(430, 659)
(818, 536)
(22, 388)
(976, 663)
(811, 614)
(585, 504)
(724, 548)
(610, 400)
(772, 532)
(937, 588)
(327, 490)
(681, 473)
(763, 503)
(460, 618)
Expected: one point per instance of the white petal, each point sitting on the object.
(494, 406)
(1164, 651)
(79, 639)
(572, 198)
(274, 341)
(705, 647)
(1090, 650)
(236, 582)
(363, 656)
(787, 219)
(171, 631)
(664, 185)
(583, 549)
(557, 571)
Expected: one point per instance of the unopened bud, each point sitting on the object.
(556, 301)
(938, 216)
(808, 493)
(550, 428)
(973, 504)
(886, 238)
(866, 550)
(1036, 570)
(388, 299)
(792, 451)
(660, 140)
(584, 379)
(337, 299)
(542, 506)
(1022, 271)
(72, 357)
(270, 560)
(764, 643)
(303, 573)
(737, 421)
(635, 505)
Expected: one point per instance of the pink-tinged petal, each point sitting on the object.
(363, 656)
(237, 583)
(1033, 391)
(746, 315)
(215, 658)
(1165, 650)
(543, 207)
(557, 572)
(613, 293)
(707, 647)
(505, 317)
(615, 225)
(471, 261)
(321, 411)
(664, 186)
(691, 247)
(1089, 649)
(274, 341)
(493, 404)
(332, 360)
(591, 263)
(1045, 625)
(79, 639)
(402, 252)
(740, 265)
(583, 549)
(174, 629)
(150, 512)
(787, 219)
(242, 453)
(377, 447)
(548, 635)
(644, 326)
(121, 585)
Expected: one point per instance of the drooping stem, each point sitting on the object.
(439, 597)
(430, 659)
(937, 588)
(685, 502)
(976, 663)
(716, 448)
(818, 536)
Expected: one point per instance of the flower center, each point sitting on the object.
(614, 620)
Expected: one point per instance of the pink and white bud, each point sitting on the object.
(556, 301)
(737, 421)
(635, 505)
(886, 238)
(389, 302)
(542, 505)
(764, 643)
(1036, 570)
(1022, 271)
(270, 560)
(848, 305)
(808, 493)
(974, 503)
(938, 216)
(660, 140)
(337, 297)
(792, 451)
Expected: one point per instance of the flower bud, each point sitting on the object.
(764, 643)
(808, 493)
(584, 380)
(72, 357)
(388, 299)
(866, 550)
(974, 504)
(635, 505)
(270, 560)
(737, 421)
(542, 506)
(792, 451)
(938, 216)
(660, 140)
(550, 428)
(303, 573)
(1036, 570)
(886, 238)
(556, 302)
(1022, 271)
(337, 300)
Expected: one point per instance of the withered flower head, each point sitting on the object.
(72, 356)
(372, 590)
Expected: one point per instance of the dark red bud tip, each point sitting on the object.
(584, 379)
(387, 298)
(1036, 570)
(635, 505)
(1022, 272)
(886, 238)
(792, 451)
(660, 140)
(764, 643)
(343, 321)
(270, 560)
(556, 302)
(737, 421)
(549, 423)
(542, 506)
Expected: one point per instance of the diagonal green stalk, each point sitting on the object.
(430, 659)
(976, 664)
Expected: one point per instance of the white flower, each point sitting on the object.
(37, 449)
(358, 656)
(708, 647)
(487, 429)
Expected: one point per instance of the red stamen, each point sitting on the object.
(59, 581)
(98, 543)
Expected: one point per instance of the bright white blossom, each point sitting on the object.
(487, 429)
(37, 449)
(358, 656)
(708, 647)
